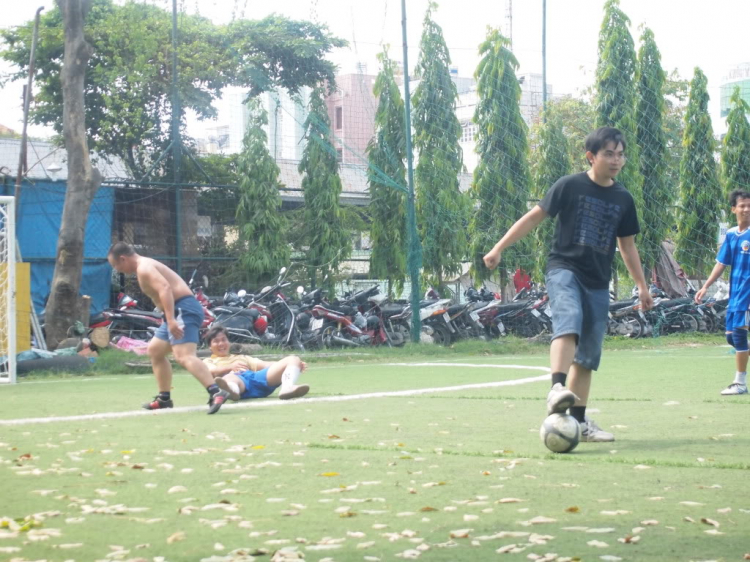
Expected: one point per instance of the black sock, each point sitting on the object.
(212, 389)
(164, 396)
(579, 413)
(559, 378)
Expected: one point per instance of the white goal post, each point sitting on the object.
(7, 290)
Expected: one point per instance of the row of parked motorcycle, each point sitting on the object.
(367, 317)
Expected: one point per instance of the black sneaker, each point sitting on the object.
(217, 401)
(158, 404)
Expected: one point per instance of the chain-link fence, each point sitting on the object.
(317, 175)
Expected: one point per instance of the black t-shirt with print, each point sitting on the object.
(589, 219)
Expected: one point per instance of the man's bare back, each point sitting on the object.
(148, 273)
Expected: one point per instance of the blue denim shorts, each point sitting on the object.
(256, 384)
(192, 314)
(578, 310)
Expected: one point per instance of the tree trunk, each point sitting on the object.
(83, 179)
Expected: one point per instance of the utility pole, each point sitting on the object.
(27, 93)
(509, 21)
(544, 60)
(415, 249)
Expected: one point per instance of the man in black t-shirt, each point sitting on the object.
(593, 212)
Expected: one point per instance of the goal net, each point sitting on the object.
(7, 290)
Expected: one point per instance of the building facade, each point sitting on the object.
(351, 110)
(739, 76)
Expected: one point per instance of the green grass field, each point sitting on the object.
(452, 475)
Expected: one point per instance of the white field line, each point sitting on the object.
(313, 400)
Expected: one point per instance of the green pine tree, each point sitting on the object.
(616, 91)
(553, 161)
(386, 176)
(327, 239)
(656, 216)
(735, 153)
(501, 180)
(261, 224)
(442, 210)
(701, 198)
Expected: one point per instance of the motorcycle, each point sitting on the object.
(265, 318)
(341, 323)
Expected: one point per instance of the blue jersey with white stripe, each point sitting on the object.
(735, 253)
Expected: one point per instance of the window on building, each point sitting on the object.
(468, 132)
(339, 119)
(339, 155)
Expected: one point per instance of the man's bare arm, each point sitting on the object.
(519, 230)
(715, 274)
(633, 262)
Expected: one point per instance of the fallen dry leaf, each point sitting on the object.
(175, 537)
(598, 544)
(629, 539)
(708, 521)
(713, 532)
(573, 509)
(410, 554)
(538, 520)
(428, 508)
(67, 546)
(328, 474)
(460, 534)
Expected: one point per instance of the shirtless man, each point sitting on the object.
(178, 333)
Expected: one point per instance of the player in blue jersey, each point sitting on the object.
(735, 253)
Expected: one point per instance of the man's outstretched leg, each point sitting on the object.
(158, 350)
(184, 354)
(738, 339)
(286, 373)
(561, 354)
(580, 383)
(586, 360)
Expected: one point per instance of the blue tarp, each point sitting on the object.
(37, 231)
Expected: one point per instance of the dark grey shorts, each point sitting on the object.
(578, 310)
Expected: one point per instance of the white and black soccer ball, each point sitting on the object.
(560, 433)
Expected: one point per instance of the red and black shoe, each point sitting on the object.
(217, 401)
(158, 404)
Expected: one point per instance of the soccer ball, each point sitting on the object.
(560, 433)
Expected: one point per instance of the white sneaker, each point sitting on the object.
(734, 388)
(293, 391)
(559, 399)
(592, 433)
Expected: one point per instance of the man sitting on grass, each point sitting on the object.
(246, 377)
